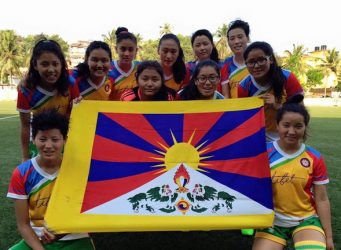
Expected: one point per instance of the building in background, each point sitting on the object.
(77, 52)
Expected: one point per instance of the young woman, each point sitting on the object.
(269, 81)
(123, 70)
(238, 36)
(150, 84)
(46, 86)
(91, 76)
(176, 73)
(299, 178)
(204, 49)
(32, 183)
(204, 82)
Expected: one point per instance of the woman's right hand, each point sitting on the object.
(47, 236)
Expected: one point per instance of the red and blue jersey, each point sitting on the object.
(249, 87)
(231, 65)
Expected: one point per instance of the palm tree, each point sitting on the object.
(110, 39)
(222, 44)
(330, 65)
(63, 44)
(139, 46)
(10, 52)
(165, 29)
(332, 60)
(294, 61)
(29, 42)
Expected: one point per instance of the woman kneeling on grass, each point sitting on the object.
(32, 183)
(299, 178)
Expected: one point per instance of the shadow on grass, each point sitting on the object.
(173, 240)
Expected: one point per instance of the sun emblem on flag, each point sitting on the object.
(182, 152)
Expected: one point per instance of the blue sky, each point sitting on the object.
(281, 23)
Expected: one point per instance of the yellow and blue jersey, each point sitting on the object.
(89, 90)
(235, 78)
(30, 182)
(170, 82)
(38, 99)
(236, 73)
(292, 179)
(123, 80)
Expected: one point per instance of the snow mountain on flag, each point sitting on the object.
(181, 191)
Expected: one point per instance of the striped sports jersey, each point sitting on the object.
(292, 179)
(30, 182)
(236, 73)
(235, 78)
(134, 95)
(191, 66)
(89, 90)
(223, 73)
(38, 99)
(170, 82)
(216, 96)
(123, 80)
(249, 87)
(231, 65)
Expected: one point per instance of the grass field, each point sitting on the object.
(325, 136)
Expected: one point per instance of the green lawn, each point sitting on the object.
(325, 136)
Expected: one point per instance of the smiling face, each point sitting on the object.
(49, 68)
(99, 64)
(126, 50)
(149, 82)
(49, 144)
(291, 129)
(258, 64)
(207, 81)
(237, 41)
(169, 52)
(202, 47)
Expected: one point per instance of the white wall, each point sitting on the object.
(8, 93)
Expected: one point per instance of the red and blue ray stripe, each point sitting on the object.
(126, 145)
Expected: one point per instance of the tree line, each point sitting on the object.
(15, 53)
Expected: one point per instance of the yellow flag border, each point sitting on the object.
(63, 213)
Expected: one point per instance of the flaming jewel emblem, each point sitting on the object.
(181, 178)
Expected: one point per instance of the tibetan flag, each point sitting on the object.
(152, 166)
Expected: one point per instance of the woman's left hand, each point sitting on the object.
(330, 244)
(270, 100)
